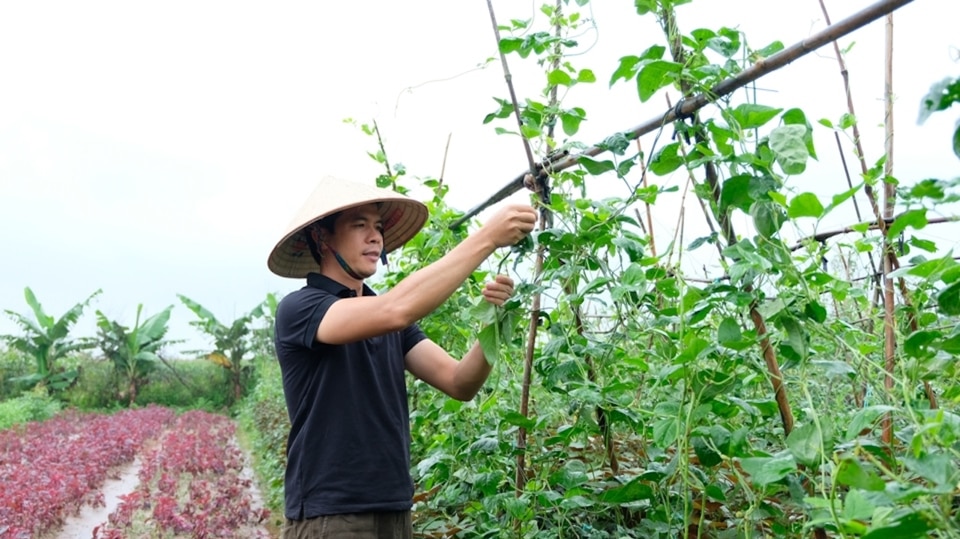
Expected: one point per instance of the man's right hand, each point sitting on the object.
(510, 225)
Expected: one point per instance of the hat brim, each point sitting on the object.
(403, 218)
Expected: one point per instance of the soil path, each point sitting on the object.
(81, 526)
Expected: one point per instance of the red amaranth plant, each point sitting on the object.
(52, 468)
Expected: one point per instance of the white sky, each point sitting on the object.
(160, 149)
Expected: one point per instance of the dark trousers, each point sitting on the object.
(393, 525)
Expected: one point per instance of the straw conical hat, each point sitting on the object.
(403, 217)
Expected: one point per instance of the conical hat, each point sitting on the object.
(402, 216)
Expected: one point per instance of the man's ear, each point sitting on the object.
(319, 237)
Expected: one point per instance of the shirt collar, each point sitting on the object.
(318, 280)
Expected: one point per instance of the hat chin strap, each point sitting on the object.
(343, 264)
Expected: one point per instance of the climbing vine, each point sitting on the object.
(750, 399)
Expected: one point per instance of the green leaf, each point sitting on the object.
(198, 309)
(489, 338)
(766, 470)
(917, 344)
(937, 468)
(510, 44)
(956, 140)
(865, 418)
(635, 490)
(916, 219)
(847, 120)
(930, 269)
(770, 49)
(666, 160)
(928, 188)
(729, 332)
(948, 300)
(913, 525)
(789, 146)
(559, 77)
(842, 197)
(736, 192)
(750, 116)
(726, 44)
(941, 96)
(626, 70)
(153, 328)
(586, 75)
(814, 311)
(505, 110)
(623, 168)
(768, 217)
(805, 205)
(596, 168)
(645, 6)
(798, 117)
(571, 119)
(796, 336)
(852, 474)
(835, 367)
(856, 506)
(665, 431)
(925, 245)
(529, 131)
(654, 76)
(519, 420)
(707, 455)
(804, 443)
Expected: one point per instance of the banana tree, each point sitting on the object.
(134, 352)
(47, 339)
(231, 342)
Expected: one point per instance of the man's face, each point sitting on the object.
(358, 237)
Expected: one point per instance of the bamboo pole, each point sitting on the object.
(726, 229)
(889, 199)
(539, 184)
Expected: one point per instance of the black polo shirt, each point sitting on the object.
(349, 444)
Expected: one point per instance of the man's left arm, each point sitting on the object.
(462, 379)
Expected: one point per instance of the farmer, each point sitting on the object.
(343, 350)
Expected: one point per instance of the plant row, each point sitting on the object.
(191, 485)
(52, 468)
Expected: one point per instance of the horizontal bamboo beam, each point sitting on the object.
(688, 106)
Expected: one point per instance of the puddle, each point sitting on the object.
(82, 525)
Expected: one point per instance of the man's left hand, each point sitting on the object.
(499, 290)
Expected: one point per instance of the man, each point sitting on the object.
(343, 351)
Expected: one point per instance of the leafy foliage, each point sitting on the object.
(31, 406)
(47, 339)
(747, 403)
(133, 351)
(942, 95)
(232, 343)
(263, 419)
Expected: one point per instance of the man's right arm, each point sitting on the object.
(354, 319)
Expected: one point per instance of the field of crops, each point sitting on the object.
(191, 478)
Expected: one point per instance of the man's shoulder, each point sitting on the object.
(297, 298)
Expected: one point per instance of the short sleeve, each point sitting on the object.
(410, 336)
(299, 316)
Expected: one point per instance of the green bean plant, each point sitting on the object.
(748, 399)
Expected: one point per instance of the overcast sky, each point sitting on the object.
(156, 149)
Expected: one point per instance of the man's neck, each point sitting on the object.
(339, 275)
